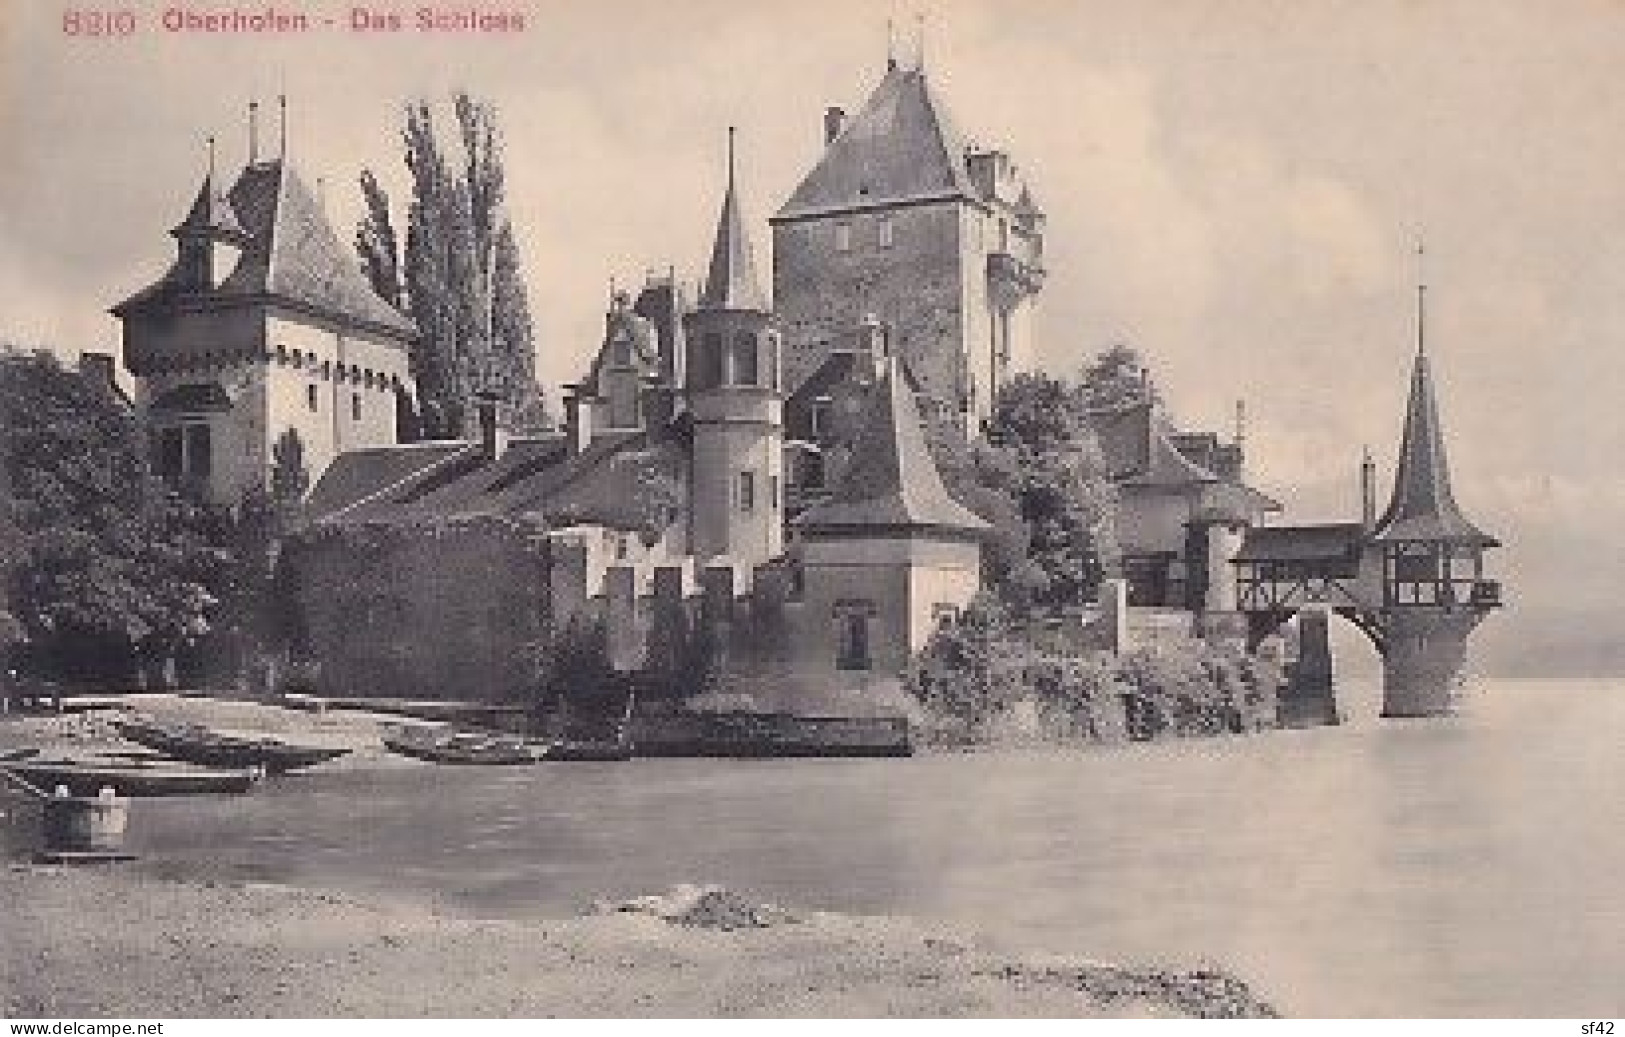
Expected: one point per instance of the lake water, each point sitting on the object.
(1473, 866)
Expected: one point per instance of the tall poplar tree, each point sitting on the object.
(459, 272)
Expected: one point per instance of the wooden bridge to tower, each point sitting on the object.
(1413, 579)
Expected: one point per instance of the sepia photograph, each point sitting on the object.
(879, 509)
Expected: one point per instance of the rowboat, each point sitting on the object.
(195, 743)
(441, 745)
(87, 777)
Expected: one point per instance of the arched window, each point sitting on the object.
(746, 369)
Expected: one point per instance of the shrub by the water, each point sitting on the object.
(980, 681)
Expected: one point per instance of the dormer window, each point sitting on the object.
(885, 232)
(843, 237)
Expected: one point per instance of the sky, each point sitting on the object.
(1235, 188)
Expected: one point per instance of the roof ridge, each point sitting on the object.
(419, 474)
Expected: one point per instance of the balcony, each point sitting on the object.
(1008, 273)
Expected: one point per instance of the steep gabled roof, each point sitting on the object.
(901, 146)
(1423, 506)
(730, 280)
(892, 482)
(289, 252)
(294, 253)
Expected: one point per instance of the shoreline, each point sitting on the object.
(86, 943)
(115, 941)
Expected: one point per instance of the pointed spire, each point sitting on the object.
(253, 132)
(731, 283)
(1421, 300)
(1423, 507)
(919, 42)
(891, 46)
(282, 126)
(210, 215)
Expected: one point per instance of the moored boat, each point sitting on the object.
(442, 745)
(197, 744)
(87, 777)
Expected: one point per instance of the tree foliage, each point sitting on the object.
(106, 560)
(1117, 378)
(1061, 489)
(458, 273)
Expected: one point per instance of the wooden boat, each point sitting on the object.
(87, 777)
(442, 745)
(195, 743)
(753, 735)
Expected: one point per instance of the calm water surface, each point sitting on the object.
(1473, 866)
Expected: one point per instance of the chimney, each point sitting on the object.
(493, 430)
(98, 370)
(834, 123)
(872, 346)
(577, 419)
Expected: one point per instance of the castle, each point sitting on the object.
(748, 473)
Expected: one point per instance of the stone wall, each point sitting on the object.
(416, 614)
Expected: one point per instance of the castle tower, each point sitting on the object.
(1434, 590)
(940, 240)
(734, 398)
(262, 332)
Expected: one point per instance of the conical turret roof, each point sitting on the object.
(892, 482)
(1423, 506)
(730, 281)
(211, 215)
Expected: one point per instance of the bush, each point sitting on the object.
(980, 682)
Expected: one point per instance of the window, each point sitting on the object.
(885, 232)
(355, 406)
(747, 491)
(710, 360)
(843, 237)
(622, 546)
(198, 460)
(852, 639)
(169, 453)
(944, 615)
(310, 396)
(620, 351)
(818, 417)
(745, 366)
(183, 452)
(773, 492)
